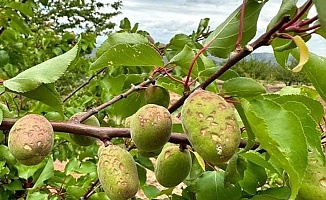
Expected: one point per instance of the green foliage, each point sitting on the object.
(42, 63)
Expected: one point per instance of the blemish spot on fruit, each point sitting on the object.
(229, 128)
(201, 115)
(121, 167)
(210, 118)
(203, 131)
(167, 154)
(215, 137)
(39, 143)
(322, 182)
(214, 124)
(123, 183)
(27, 147)
(36, 128)
(221, 107)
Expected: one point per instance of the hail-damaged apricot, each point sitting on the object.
(31, 139)
(157, 95)
(210, 124)
(151, 127)
(117, 173)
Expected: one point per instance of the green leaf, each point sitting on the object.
(170, 85)
(23, 8)
(225, 35)
(235, 170)
(141, 175)
(120, 38)
(14, 185)
(47, 94)
(254, 177)
(321, 7)
(4, 58)
(44, 73)
(150, 191)
(281, 134)
(288, 7)
(277, 193)
(99, 196)
(316, 109)
(242, 87)
(185, 57)
(47, 173)
(315, 70)
(26, 172)
(6, 155)
(259, 160)
(128, 55)
(5, 112)
(309, 125)
(1, 116)
(210, 186)
(37, 196)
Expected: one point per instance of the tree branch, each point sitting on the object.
(103, 133)
(263, 40)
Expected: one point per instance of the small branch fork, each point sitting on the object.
(297, 25)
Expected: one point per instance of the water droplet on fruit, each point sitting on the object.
(39, 143)
(322, 182)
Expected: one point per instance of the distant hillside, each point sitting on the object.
(267, 57)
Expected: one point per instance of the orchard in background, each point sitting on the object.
(229, 141)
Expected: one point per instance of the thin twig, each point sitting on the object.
(263, 40)
(132, 89)
(82, 85)
(90, 190)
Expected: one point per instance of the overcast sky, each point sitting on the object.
(165, 18)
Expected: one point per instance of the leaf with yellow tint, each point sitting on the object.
(304, 53)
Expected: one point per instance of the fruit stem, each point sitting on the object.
(182, 147)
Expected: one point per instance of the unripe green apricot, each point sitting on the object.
(172, 166)
(157, 95)
(211, 126)
(31, 139)
(117, 173)
(151, 127)
(314, 185)
(83, 140)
